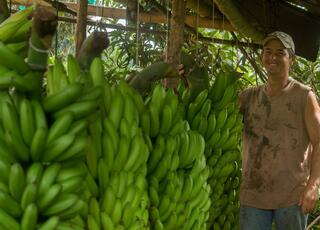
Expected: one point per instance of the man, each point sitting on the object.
(281, 152)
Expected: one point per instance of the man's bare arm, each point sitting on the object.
(309, 198)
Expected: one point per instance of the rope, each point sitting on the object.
(137, 34)
(56, 37)
(309, 227)
(167, 31)
(197, 26)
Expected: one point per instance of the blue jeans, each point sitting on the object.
(290, 218)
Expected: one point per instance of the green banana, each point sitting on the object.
(166, 119)
(219, 86)
(19, 149)
(38, 144)
(92, 185)
(60, 126)
(94, 210)
(48, 178)
(223, 138)
(78, 126)
(29, 195)
(10, 120)
(28, 82)
(39, 115)
(187, 188)
(106, 221)
(7, 221)
(10, 205)
(103, 174)
(79, 109)
(71, 185)
(92, 93)
(116, 107)
(34, 173)
(214, 139)
(154, 120)
(6, 153)
(145, 122)
(117, 212)
(97, 71)
(73, 69)
(135, 147)
(221, 118)
(197, 104)
(122, 155)
(74, 170)
(11, 60)
(158, 97)
(109, 150)
(16, 181)
(7, 78)
(77, 149)
(73, 211)
(51, 224)
(109, 200)
(92, 223)
(127, 215)
(58, 147)
(9, 27)
(4, 171)
(64, 202)
(130, 112)
(228, 97)
(29, 218)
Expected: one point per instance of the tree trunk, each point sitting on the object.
(81, 30)
(175, 38)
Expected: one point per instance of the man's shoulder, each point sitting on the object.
(301, 85)
(251, 89)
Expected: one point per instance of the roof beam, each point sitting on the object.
(145, 17)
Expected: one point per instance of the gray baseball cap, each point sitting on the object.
(285, 38)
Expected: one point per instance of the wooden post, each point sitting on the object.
(81, 30)
(4, 11)
(175, 41)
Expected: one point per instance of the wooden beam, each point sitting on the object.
(154, 17)
(81, 30)
(146, 17)
(206, 40)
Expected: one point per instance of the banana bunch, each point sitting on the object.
(163, 115)
(40, 196)
(68, 90)
(30, 138)
(176, 159)
(14, 31)
(124, 204)
(179, 193)
(224, 180)
(215, 115)
(117, 153)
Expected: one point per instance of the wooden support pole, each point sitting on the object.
(175, 38)
(81, 29)
(4, 11)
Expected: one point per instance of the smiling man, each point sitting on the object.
(281, 152)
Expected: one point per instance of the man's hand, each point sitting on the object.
(308, 199)
(181, 70)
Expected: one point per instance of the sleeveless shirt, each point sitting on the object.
(276, 146)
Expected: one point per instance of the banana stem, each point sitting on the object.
(43, 30)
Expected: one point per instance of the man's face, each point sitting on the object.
(276, 58)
